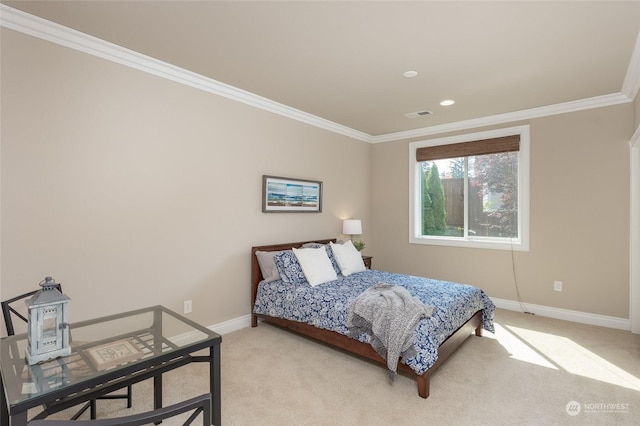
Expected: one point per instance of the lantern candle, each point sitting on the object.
(48, 332)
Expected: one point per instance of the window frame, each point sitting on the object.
(516, 244)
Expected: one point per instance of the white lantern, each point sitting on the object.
(48, 333)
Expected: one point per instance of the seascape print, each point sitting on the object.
(291, 195)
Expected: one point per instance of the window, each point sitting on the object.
(471, 190)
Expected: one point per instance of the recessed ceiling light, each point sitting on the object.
(447, 102)
(410, 74)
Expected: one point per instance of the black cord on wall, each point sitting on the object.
(523, 307)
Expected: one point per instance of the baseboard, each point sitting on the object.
(564, 314)
(231, 325)
(221, 328)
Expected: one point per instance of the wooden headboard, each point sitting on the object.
(256, 273)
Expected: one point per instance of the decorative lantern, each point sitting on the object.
(48, 334)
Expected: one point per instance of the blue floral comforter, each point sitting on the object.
(327, 305)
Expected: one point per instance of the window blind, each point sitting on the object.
(466, 149)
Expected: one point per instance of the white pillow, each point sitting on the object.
(316, 265)
(348, 257)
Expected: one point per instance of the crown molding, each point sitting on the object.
(509, 117)
(26, 23)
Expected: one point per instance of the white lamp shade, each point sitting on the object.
(352, 227)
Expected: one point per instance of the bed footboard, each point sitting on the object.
(474, 325)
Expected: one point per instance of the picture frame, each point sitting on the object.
(286, 195)
(113, 353)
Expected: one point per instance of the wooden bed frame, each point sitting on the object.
(474, 324)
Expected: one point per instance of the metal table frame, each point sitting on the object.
(150, 366)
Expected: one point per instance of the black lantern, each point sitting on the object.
(48, 334)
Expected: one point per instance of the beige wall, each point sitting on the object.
(579, 218)
(133, 190)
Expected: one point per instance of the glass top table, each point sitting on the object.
(108, 354)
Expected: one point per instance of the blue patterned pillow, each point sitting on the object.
(289, 268)
(332, 258)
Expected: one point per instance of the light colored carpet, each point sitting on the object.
(527, 373)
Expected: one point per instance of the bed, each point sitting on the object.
(320, 311)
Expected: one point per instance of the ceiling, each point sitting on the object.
(344, 61)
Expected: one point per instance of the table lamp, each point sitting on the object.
(352, 227)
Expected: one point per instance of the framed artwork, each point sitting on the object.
(280, 195)
(114, 353)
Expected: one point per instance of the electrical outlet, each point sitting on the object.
(557, 285)
(187, 306)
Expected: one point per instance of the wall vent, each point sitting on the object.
(417, 114)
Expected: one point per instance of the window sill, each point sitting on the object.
(477, 243)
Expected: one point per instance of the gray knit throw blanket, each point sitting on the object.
(389, 314)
